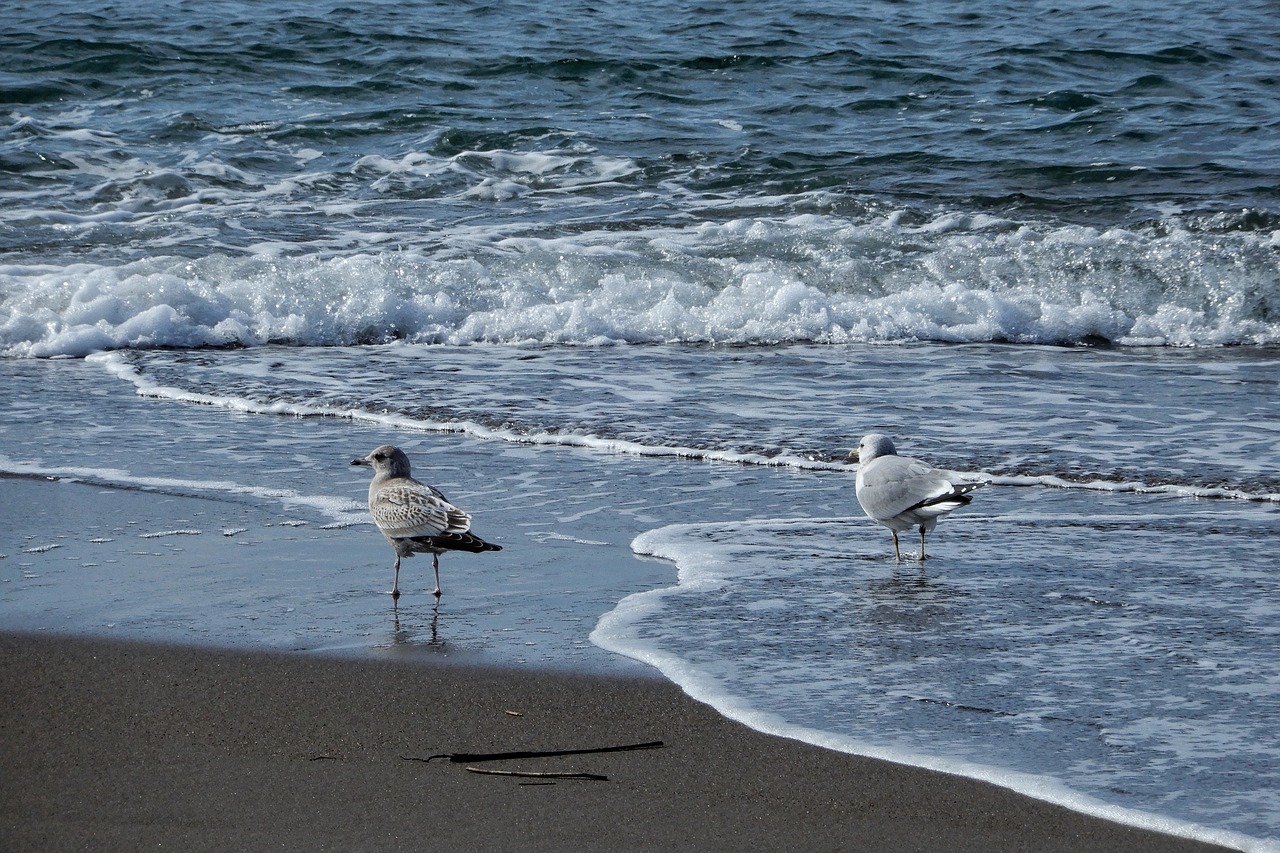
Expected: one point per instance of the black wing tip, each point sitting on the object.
(958, 499)
(457, 542)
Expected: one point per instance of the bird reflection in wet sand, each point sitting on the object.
(410, 637)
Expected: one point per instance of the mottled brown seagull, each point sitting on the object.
(414, 517)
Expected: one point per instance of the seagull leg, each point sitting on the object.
(435, 564)
(896, 552)
(395, 583)
(922, 543)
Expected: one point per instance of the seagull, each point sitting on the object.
(414, 517)
(901, 493)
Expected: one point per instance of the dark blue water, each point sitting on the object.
(234, 120)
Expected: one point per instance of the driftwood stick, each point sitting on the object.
(473, 757)
(529, 774)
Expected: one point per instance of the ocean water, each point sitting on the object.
(628, 281)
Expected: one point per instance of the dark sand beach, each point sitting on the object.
(127, 746)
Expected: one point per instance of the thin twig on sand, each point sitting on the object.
(473, 757)
(529, 774)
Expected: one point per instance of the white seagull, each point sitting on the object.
(901, 493)
(414, 517)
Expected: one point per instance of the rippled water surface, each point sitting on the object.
(189, 174)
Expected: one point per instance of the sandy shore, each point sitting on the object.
(121, 746)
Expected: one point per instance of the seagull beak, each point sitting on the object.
(853, 455)
(360, 461)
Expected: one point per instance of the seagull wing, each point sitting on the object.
(891, 485)
(408, 509)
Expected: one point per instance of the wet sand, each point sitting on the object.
(111, 745)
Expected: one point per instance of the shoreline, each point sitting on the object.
(121, 744)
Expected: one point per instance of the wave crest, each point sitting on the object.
(810, 278)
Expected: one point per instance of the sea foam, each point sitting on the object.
(809, 278)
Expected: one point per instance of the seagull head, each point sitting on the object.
(872, 446)
(387, 460)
